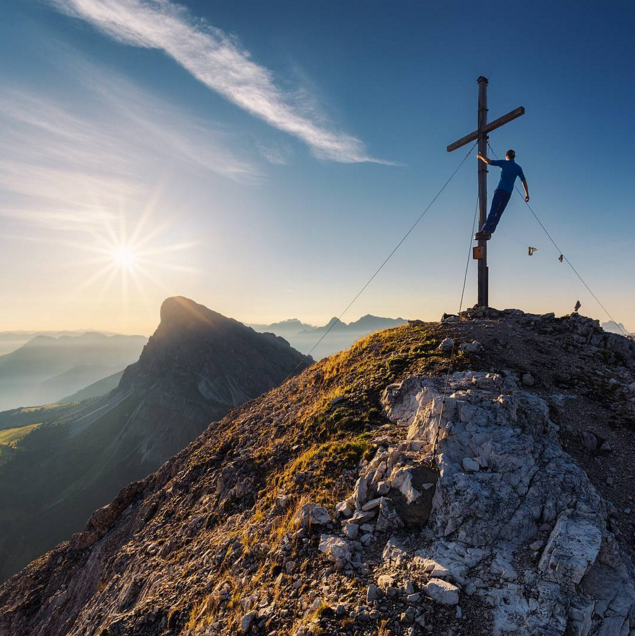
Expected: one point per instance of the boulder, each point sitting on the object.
(335, 549)
(360, 494)
(528, 379)
(370, 505)
(344, 509)
(312, 515)
(385, 581)
(471, 347)
(351, 531)
(589, 440)
(247, 621)
(441, 591)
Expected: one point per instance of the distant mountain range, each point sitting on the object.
(12, 340)
(74, 458)
(341, 335)
(46, 369)
(616, 327)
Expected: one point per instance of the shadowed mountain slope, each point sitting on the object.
(355, 499)
(96, 389)
(195, 368)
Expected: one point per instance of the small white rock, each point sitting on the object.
(351, 530)
(373, 503)
(442, 592)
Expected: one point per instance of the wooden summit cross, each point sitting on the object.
(481, 134)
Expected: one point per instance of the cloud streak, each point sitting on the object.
(80, 162)
(220, 63)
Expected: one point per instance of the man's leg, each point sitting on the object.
(499, 203)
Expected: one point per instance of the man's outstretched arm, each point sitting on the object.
(526, 192)
(487, 160)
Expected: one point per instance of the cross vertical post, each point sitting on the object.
(483, 271)
(481, 135)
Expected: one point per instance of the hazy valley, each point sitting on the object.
(47, 369)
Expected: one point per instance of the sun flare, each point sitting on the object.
(124, 257)
(136, 259)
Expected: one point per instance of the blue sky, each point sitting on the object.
(264, 157)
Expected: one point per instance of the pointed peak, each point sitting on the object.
(180, 311)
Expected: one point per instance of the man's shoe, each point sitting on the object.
(482, 236)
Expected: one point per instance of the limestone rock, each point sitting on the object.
(589, 440)
(385, 581)
(482, 520)
(572, 548)
(471, 347)
(312, 515)
(351, 530)
(247, 621)
(335, 549)
(360, 494)
(372, 504)
(344, 509)
(442, 592)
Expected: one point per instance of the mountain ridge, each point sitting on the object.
(303, 512)
(342, 335)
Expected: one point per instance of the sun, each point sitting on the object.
(136, 259)
(124, 257)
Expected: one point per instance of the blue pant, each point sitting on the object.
(499, 203)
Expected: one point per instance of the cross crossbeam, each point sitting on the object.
(497, 123)
(481, 134)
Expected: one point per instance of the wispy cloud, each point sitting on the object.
(277, 154)
(222, 64)
(73, 163)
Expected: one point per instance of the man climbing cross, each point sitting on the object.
(509, 171)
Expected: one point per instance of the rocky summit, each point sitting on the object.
(195, 368)
(464, 478)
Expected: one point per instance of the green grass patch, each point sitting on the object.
(11, 436)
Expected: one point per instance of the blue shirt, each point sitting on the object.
(509, 171)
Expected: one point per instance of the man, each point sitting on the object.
(509, 171)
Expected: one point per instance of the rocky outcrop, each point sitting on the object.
(195, 368)
(514, 520)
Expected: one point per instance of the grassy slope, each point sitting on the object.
(10, 436)
(320, 425)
